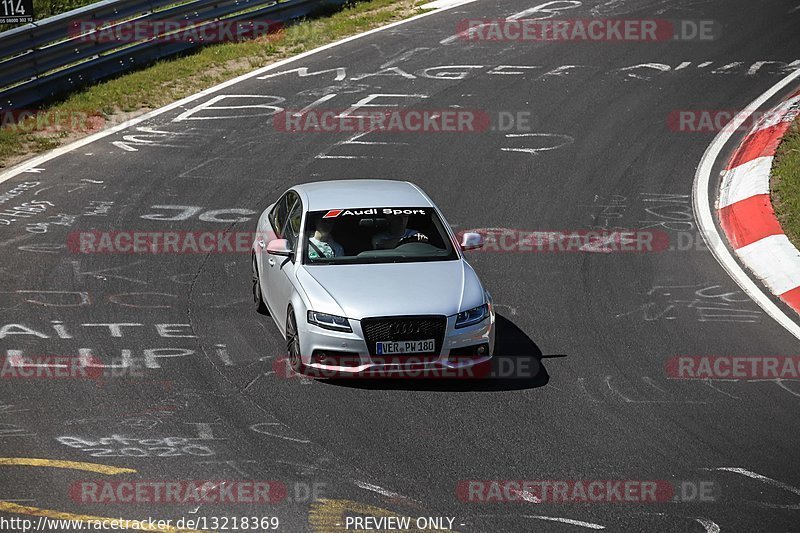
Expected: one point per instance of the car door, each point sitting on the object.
(280, 270)
(270, 229)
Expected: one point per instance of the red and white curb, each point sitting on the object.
(745, 209)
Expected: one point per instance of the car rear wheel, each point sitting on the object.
(293, 343)
(258, 298)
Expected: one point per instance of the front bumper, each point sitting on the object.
(455, 354)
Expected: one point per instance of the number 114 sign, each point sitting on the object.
(16, 11)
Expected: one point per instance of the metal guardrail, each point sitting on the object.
(47, 58)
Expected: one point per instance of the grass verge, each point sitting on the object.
(166, 81)
(785, 183)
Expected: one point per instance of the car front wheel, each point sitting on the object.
(293, 343)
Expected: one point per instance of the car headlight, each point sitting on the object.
(323, 320)
(472, 317)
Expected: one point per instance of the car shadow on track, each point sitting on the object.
(516, 365)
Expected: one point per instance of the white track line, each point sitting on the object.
(764, 479)
(444, 4)
(705, 220)
(570, 521)
(710, 525)
(37, 162)
(375, 488)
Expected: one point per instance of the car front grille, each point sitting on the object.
(407, 328)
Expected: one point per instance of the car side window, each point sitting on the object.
(280, 212)
(291, 230)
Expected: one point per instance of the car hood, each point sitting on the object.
(386, 289)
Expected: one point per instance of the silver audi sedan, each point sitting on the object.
(365, 275)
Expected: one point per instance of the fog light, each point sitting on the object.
(482, 350)
(335, 358)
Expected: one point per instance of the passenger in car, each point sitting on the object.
(321, 244)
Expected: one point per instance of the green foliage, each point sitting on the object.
(786, 184)
(47, 8)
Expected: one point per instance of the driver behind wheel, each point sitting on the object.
(321, 244)
(397, 234)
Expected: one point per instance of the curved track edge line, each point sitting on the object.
(701, 204)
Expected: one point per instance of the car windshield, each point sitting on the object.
(376, 235)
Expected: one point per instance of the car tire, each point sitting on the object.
(293, 343)
(258, 297)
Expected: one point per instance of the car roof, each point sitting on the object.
(354, 194)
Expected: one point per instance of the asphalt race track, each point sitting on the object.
(203, 397)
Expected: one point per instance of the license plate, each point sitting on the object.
(396, 347)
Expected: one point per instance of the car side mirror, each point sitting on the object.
(280, 247)
(471, 241)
